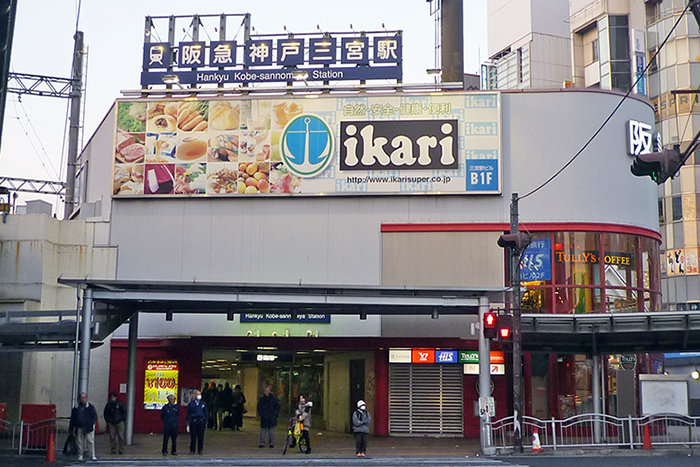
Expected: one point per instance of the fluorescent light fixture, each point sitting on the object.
(170, 79)
(300, 75)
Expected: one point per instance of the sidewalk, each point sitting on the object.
(244, 443)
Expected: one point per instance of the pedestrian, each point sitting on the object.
(170, 414)
(360, 426)
(303, 413)
(197, 417)
(268, 410)
(237, 408)
(219, 407)
(115, 416)
(82, 419)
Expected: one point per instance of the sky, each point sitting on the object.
(35, 127)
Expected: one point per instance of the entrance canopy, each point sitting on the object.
(208, 297)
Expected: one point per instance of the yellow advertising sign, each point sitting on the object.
(161, 380)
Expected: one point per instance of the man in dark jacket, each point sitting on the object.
(170, 414)
(197, 415)
(115, 416)
(269, 410)
(82, 419)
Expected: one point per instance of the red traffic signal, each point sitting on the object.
(490, 325)
(504, 334)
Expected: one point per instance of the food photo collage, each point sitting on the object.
(196, 147)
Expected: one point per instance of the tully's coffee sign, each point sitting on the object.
(399, 145)
(593, 257)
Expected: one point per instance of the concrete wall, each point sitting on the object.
(337, 393)
(35, 250)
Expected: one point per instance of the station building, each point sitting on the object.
(365, 191)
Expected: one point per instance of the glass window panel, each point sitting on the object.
(619, 44)
(620, 300)
(676, 208)
(577, 258)
(604, 45)
(618, 20)
(619, 259)
(536, 300)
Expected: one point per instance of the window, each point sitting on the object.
(677, 208)
(662, 220)
(592, 272)
(594, 50)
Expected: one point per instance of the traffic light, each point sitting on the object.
(694, 6)
(490, 325)
(517, 241)
(659, 166)
(505, 328)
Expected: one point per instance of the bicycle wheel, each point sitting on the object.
(286, 443)
(302, 444)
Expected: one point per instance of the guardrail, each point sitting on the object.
(35, 436)
(8, 435)
(596, 430)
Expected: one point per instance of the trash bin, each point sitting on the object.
(39, 423)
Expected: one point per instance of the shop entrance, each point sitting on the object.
(289, 373)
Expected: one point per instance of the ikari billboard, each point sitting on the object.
(361, 145)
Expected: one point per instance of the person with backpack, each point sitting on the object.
(360, 426)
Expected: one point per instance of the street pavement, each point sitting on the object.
(240, 449)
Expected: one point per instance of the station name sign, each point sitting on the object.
(275, 59)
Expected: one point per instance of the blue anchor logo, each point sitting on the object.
(307, 146)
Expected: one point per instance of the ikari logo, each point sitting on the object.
(307, 145)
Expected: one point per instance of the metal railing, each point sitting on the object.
(35, 436)
(597, 430)
(8, 435)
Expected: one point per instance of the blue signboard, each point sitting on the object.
(446, 356)
(482, 175)
(273, 75)
(285, 318)
(283, 59)
(536, 264)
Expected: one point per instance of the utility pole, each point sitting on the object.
(517, 334)
(74, 132)
(516, 242)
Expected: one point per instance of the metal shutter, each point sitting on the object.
(426, 400)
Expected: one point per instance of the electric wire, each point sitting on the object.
(38, 154)
(617, 107)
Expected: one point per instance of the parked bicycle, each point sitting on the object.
(294, 437)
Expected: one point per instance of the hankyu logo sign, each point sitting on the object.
(404, 145)
(307, 146)
(641, 139)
